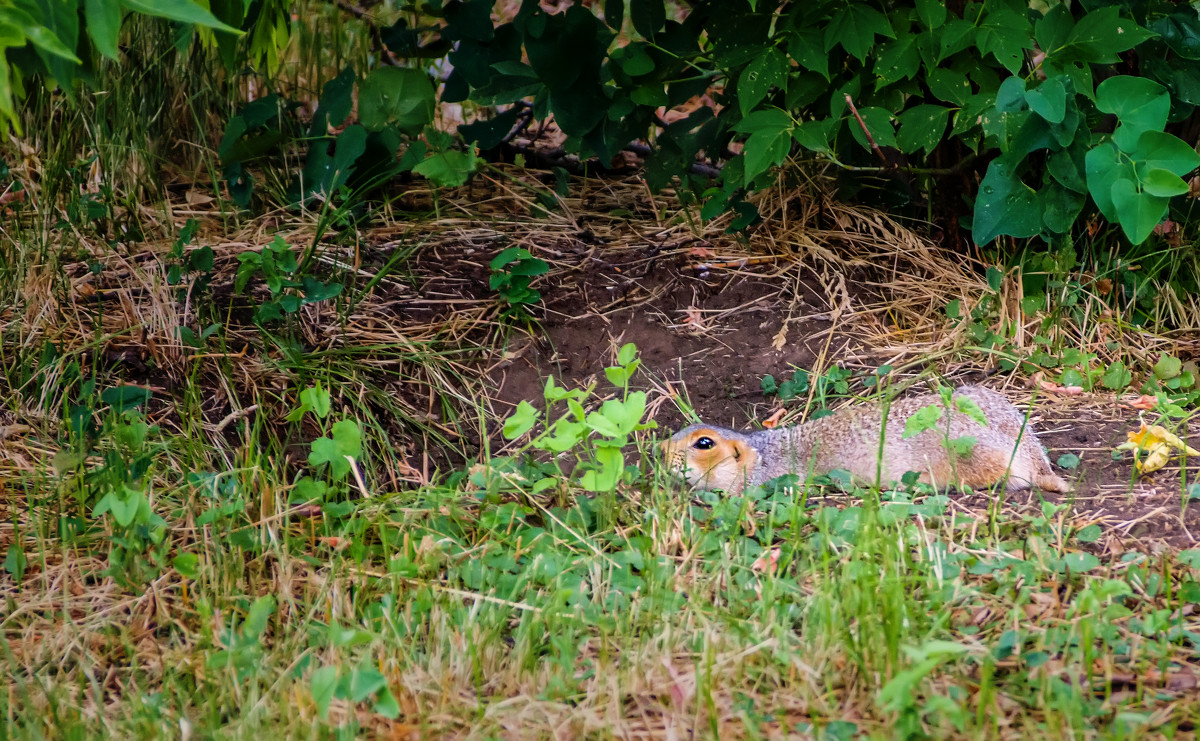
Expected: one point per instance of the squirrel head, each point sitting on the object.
(711, 457)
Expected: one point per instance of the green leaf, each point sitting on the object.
(627, 354)
(769, 142)
(968, 406)
(1005, 205)
(448, 169)
(386, 704)
(1101, 34)
(1069, 461)
(1049, 100)
(806, 48)
(1060, 207)
(1005, 35)
(1159, 150)
(324, 682)
(1139, 104)
(925, 418)
(1063, 168)
(187, 564)
(16, 23)
(931, 12)
(346, 441)
(614, 13)
(766, 71)
(635, 61)
(962, 446)
(15, 562)
(1011, 95)
(1089, 534)
(1180, 30)
(1104, 166)
(1167, 367)
(125, 508)
(603, 425)
(897, 60)
(1079, 562)
(520, 421)
(995, 277)
(814, 135)
(855, 27)
(1116, 377)
(181, 11)
(648, 16)
(1052, 30)
(121, 398)
(318, 400)
(949, 85)
(1137, 212)
(922, 127)
(567, 434)
(1164, 183)
(611, 466)
(879, 123)
(396, 96)
(365, 681)
(103, 20)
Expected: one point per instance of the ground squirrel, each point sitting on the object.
(720, 458)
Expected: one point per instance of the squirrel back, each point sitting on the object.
(1005, 449)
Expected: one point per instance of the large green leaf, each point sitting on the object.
(921, 128)
(104, 25)
(648, 17)
(767, 71)
(949, 85)
(805, 46)
(1138, 212)
(1104, 166)
(1049, 100)
(1066, 171)
(855, 27)
(1060, 207)
(897, 60)
(879, 123)
(1139, 104)
(769, 142)
(38, 34)
(1162, 183)
(1160, 150)
(179, 10)
(396, 96)
(1180, 30)
(448, 169)
(1005, 35)
(931, 12)
(1005, 205)
(1052, 30)
(1101, 34)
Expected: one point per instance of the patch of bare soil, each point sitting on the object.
(705, 337)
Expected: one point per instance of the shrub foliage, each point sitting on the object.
(1036, 111)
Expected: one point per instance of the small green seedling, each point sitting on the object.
(600, 434)
(280, 271)
(512, 272)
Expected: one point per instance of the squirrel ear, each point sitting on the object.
(736, 445)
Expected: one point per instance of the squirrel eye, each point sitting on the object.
(704, 443)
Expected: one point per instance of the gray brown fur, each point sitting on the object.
(1006, 449)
